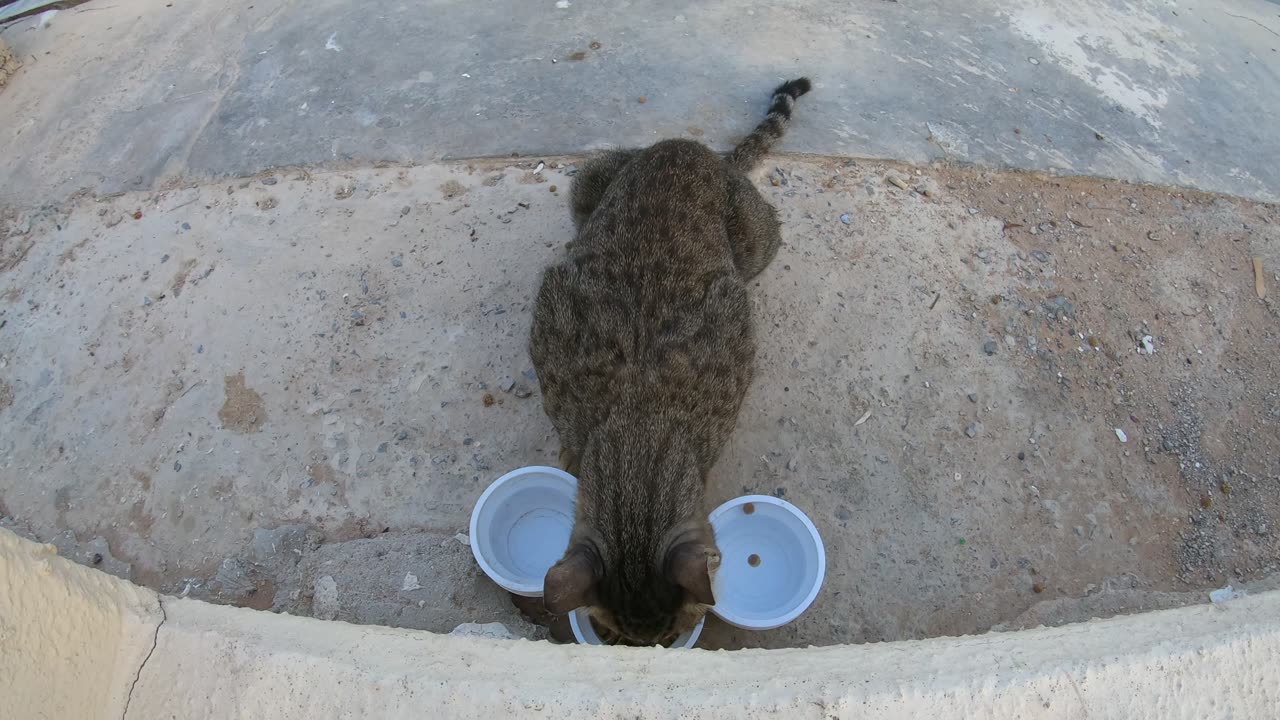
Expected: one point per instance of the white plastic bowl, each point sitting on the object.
(586, 634)
(772, 562)
(520, 526)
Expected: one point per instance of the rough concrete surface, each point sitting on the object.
(71, 640)
(395, 579)
(248, 387)
(284, 389)
(129, 94)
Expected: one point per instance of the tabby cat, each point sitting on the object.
(643, 344)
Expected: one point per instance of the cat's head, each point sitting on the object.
(642, 554)
(637, 595)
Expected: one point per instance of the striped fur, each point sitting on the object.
(772, 128)
(644, 345)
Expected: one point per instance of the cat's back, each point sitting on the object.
(648, 305)
(671, 198)
(649, 252)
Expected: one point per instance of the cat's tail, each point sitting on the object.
(750, 150)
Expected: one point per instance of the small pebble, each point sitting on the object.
(973, 430)
(973, 397)
(552, 188)
(405, 210)
(989, 347)
(927, 187)
(1033, 61)
(200, 349)
(165, 257)
(973, 211)
(522, 391)
(269, 180)
(506, 384)
(396, 261)
(177, 466)
(846, 219)
(1040, 255)
(146, 300)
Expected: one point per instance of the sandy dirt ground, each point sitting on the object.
(1002, 398)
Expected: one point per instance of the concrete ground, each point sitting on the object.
(254, 362)
(128, 94)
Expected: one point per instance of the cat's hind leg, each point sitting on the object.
(569, 461)
(754, 230)
(592, 179)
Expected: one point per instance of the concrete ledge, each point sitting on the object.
(220, 662)
(71, 639)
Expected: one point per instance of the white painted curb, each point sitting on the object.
(71, 639)
(72, 642)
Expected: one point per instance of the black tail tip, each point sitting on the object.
(794, 88)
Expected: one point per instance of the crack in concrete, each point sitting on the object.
(1255, 22)
(155, 640)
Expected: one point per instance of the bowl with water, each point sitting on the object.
(520, 526)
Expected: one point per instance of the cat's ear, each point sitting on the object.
(571, 582)
(691, 565)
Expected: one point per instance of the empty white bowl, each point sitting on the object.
(520, 526)
(586, 634)
(772, 562)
